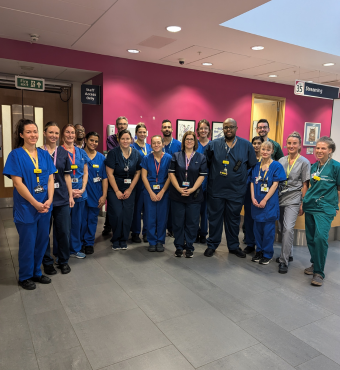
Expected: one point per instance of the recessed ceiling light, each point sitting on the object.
(272, 76)
(328, 64)
(207, 64)
(173, 28)
(133, 51)
(258, 47)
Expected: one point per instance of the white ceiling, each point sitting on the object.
(110, 27)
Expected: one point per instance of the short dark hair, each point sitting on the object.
(166, 120)
(121, 133)
(195, 139)
(257, 138)
(263, 120)
(92, 133)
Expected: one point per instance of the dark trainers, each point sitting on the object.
(179, 253)
(317, 280)
(264, 261)
(135, 238)
(309, 270)
(106, 231)
(257, 257)
(41, 279)
(64, 268)
(27, 284)
(290, 259)
(145, 239)
(152, 248)
(249, 249)
(49, 270)
(238, 252)
(89, 249)
(189, 253)
(283, 268)
(159, 247)
(209, 252)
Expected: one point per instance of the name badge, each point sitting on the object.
(264, 188)
(74, 180)
(56, 171)
(156, 187)
(127, 181)
(185, 183)
(74, 166)
(95, 166)
(39, 189)
(316, 178)
(223, 173)
(97, 179)
(56, 185)
(225, 162)
(37, 170)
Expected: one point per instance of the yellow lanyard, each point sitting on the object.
(264, 177)
(289, 169)
(144, 152)
(36, 163)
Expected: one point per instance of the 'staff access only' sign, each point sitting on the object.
(90, 94)
(29, 83)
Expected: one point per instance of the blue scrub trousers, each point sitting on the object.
(203, 229)
(76, 220)
(248, 220)
(139, 208)
(155, 216)
(185, 221)
(61, 220)
(120, 216)
(265, 237)
(228, 211)
(89, 224)
(33, 239)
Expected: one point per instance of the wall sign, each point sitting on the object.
(312, 133)
(90, 94)
(316, 90)
(29, 83)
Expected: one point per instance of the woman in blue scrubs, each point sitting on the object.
(203, 133)
(187, 171)
(123, 172)
(62, 202)
(265, 211)
(96, 191)
(144, 149)
(31, 170)
(79, 175)
(155, 168)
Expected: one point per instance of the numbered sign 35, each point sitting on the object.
(299, 88)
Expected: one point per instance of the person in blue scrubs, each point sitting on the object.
(249, 237)
(96, 191)
(229, 159)
(187, 171)
(31, 170)
(123, 172)
(79, 175)
(144, 149)
(171, 146)
(62, 202)
(203, 133)
(156, 195)
(265, 209)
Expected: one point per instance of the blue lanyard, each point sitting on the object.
(228, 148)
(169, 145)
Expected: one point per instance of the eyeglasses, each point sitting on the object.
(229, 128)
(189, 139)
(262, 127)
(204, 129)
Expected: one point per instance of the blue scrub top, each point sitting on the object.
(95, 189)
(148, 163)
(117, 162)
(234, 185)
(173, 147)
(81, 160)
(20, 164)
(271, 212)
(140, 184)
(201, 149)
(197, 167)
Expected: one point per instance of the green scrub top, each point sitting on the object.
(322, 196)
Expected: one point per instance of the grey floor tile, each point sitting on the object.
(205, 336)
(6, 269)
(168, 358)
(15, 334)
(87, 303)
(257, 357)
(18, 358)
(68, 359)
(5, 254)
(323, 335)
(284, 344)
(11, 306)
(52, 332)
(119, 336)
(318, 363)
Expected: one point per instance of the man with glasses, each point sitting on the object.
(229, 159)
(80, 136)
(262, 130)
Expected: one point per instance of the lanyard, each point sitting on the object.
(318, 172)
(127, 162)
(35, 163)
(169, 145)
(54, 158)
(159, 165)
(73, 161)
(228, 148)
(289, 169)
(187, 163)
(264, 177)
(145, 152)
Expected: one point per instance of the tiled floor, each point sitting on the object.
(135, 310)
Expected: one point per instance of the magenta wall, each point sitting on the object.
(150, 90)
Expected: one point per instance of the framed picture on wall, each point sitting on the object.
(311, 134)
(217, 130)
(184, 125)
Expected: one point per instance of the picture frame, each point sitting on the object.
(311, 133)
(184, 125)
(217, 130)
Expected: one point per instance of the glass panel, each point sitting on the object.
(39, 120)
(7, 138)
(16, 114)
(28, 112)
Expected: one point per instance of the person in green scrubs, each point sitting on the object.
(320, 205)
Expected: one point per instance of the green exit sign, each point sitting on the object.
(29, 83)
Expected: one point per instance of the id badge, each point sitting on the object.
(223, 173)
(186, 183)
(156, 187)
(225, 162)
(37, 170)
(264, 188)
(74, 166)
(127, 181)
(97, 179)
(74, 180)
(56, 185)
(38, 189)
(316, 178)
(95, 166)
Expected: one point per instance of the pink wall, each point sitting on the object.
(150, 90)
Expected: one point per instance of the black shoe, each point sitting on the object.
(106, 231)
(189, 253)
(264, 261)
(257, 257)
(203, 239)
(49, 270)
(283, 268)
(88, 249)
(135, 238)
(64, 269)
(27, 284)
(159, 247)
(145, 239)
(197, 239)
(238, 253)
(152, 248)
(41, 279)
(171, 234)
(290, 259)
(249, 249)
(179, 253)
(209, 252)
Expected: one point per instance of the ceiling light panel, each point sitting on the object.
(173, 28)
(133, 51)
(258, 47)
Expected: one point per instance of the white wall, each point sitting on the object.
(77, 105)
(335, 128)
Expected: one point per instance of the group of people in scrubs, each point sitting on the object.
(179, 186)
